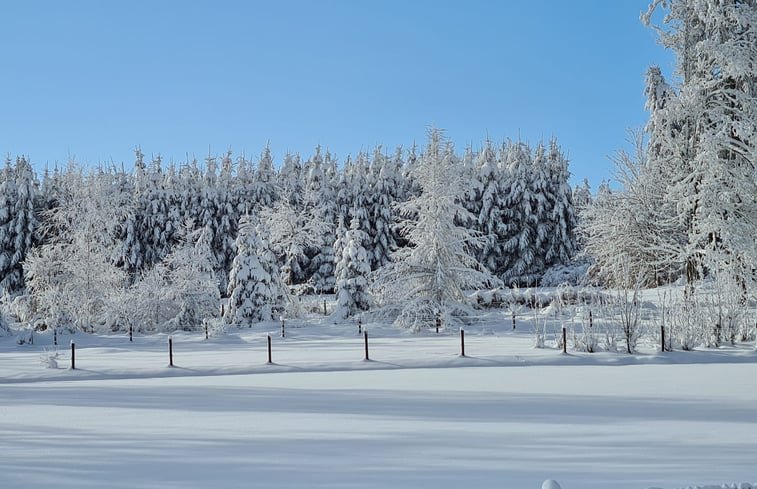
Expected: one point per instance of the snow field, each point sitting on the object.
(417, 415)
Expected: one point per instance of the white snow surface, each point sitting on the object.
(417, 415)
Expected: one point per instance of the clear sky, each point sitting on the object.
(94, 79)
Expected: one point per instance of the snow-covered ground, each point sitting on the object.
(416, 415)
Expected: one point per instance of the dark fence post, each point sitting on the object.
(365, 335)
(564, 340)
(662, 338)
(170, 351)
(359, 326)
(131, 334)
(269, 349)
(462, 342)
(283, 332)
(73, 355)
(206, 330)
(513, 320)
(591, 319)
(438, 323)
(55, 336)
(324, 308)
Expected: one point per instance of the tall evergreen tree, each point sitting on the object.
(491, 216)
(382, 240)
(427, 279)
(7, 232)
(20, 226)
(352, 270)
(255, 292)
(561, 240)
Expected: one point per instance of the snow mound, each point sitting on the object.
(550, 484)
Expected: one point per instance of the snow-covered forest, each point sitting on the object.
(88, 249)
(412, 234)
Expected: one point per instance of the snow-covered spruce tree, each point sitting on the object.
(291, 208)
(582, 199)
(7, 205)
(428, 279)
(527, 219)
(561, 239)
(130, 254)
(352, 270)
(225, 231)
(492, 212)
(344, 195)
(362, 195)
(320, 199)
(264, 185)
(18, 224)
(255, 292)
(156, 240)
(582, 196)
(383, 239)
(703, 135)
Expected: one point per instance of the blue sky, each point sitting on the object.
(95, 79)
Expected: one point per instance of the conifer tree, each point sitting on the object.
(7, 233)
(20, 225)
(382, 240)
(264, 192)
(321, 200)
(491, 215)
(352, 271)
(427, 279)
(560, 244)
(255, 292)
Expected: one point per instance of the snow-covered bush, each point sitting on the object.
(685, 324)
(587, 339)
(572, 274)
(49, 358)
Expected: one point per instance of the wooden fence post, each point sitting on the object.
(283, 332)
(170, 351)
(206, 330)
(365, 334)
(131, 334)
(55, 336)
(462, 342)
(513, 320)
(662, 338)
(564, 340)
(73, 355)
(269, 350)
